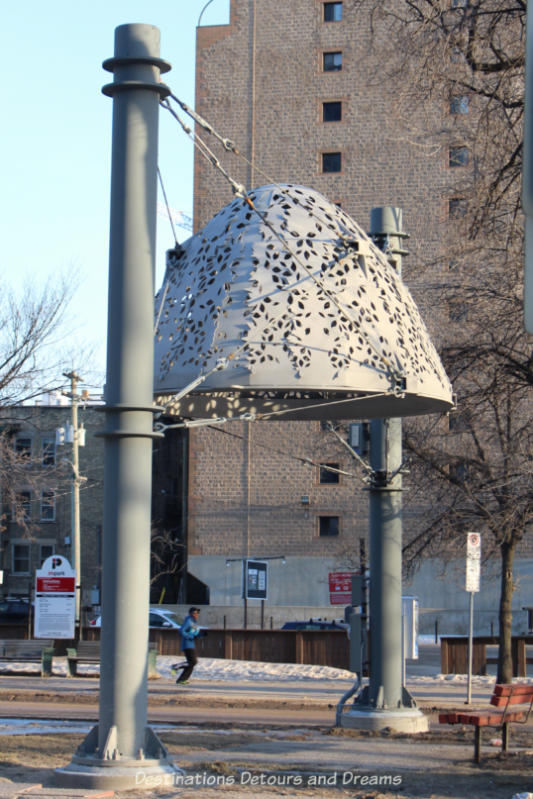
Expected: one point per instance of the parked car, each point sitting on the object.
(14, 611)
(158, 618)
(314, 624)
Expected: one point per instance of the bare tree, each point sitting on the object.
(31, 327)
(477, 468)
(168, 565)
(460, 65)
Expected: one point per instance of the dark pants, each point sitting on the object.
(192, 660)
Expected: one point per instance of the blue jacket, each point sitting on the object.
(189, 631)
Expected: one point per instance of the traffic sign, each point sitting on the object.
(473, 562)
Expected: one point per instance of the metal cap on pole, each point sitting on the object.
(122, 751)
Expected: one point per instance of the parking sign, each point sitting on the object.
(473, 562)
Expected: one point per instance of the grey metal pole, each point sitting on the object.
(75, 511)
(76, 533)
(386, 563)
(470, 649)
(386, 518)
(122, 736)
(129, 390)
(385, 701)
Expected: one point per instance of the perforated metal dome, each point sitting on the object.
(289, 310)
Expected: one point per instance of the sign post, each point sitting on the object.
(340, 588)
(55, 599)
(255, 579)
(473, 573)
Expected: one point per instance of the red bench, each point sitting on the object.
(514, 701)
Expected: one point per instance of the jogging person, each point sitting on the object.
(189, 631)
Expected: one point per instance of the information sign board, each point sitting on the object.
(255, 579)
(55, 599)
(473, 562)
(340, 588)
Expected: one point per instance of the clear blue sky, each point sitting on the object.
(56, 140)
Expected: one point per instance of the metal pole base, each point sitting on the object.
(401, 720)
(367, 715)
(90, 768)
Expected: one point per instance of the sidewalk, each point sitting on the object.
(19, 695)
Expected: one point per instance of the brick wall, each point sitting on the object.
(260, 82)
(38, 423)
(248, 484)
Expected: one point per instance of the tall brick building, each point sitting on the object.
(302, 91)
(295, 86)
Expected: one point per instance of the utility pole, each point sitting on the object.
(385, 702)
(122, 751)
(75, 544)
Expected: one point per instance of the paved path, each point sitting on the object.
(287, 727)
(312, 694)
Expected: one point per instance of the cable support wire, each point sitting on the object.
(326, 404)
(230, 146)
(240, 191)
(365, 466)
(176, 245)
(248, 418)
(203, 123)
(238, 188)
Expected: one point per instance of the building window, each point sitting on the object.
(327, 476)
(457, 310)
(459, 472)
(48, 452)
(328, 526)
(21, 510)
(459, 104)
(45, 551)
(456, 55)
(458, 156)
(332, 12)
(332, 111)
(21, 559)
(331, 162)
(459, 422)
(23, 447)
(456, 207)
(332, 62)
(48, 506)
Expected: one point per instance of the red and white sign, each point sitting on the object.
(473, 562)
(56, 585)
(55, 599)
(340, 588)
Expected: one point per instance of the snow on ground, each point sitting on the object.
(207, 669)
(218, 669)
